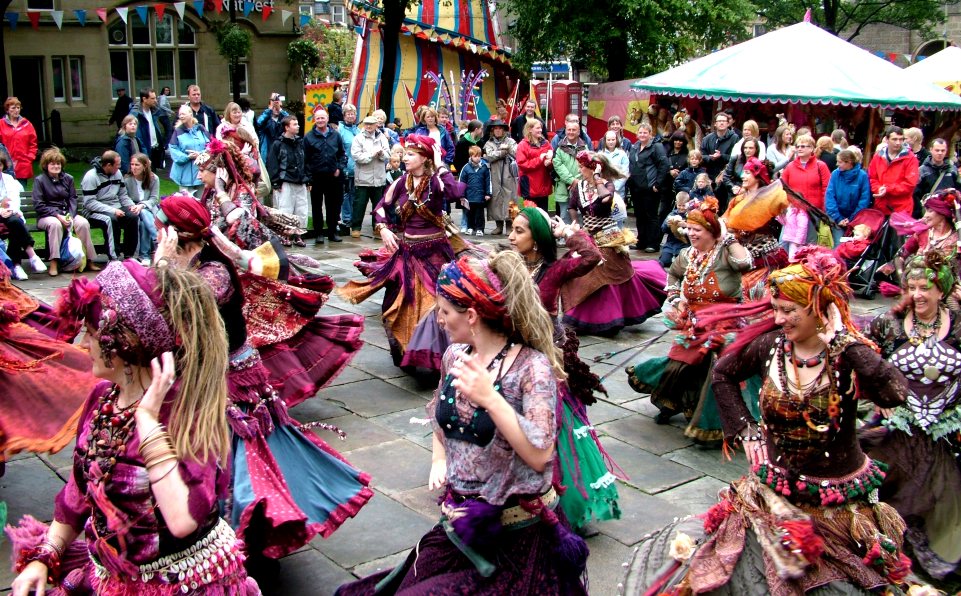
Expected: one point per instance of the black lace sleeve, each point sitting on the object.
(877, 379)
(729, 372)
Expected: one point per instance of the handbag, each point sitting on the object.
(72, 257)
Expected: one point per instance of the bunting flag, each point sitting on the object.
(142, 13)
(532, 96)
(266, 13)
(160, 8)
(284, 15)
(199, 7)
(410, 101)
(218, 6)
(102, 14)
(34, 20)
(12, 18)
(248, 7)
(179, 7)
(512, 101)
(122, 11)
(304, 20)
(57, 16)
(81, 16)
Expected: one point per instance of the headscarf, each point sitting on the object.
(706, 216)
(125, 304)
(932, 266)
(586, 159)
(187, 214)
(944, 202)
(756, 167)
(540, 224)
(460, 285)
(423, 144)
(816, 280)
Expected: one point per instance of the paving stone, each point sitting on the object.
(712, 462)
(349, 374)
(360, 433)
(60, 459)
(650, 473)
(385, 527)
(641, 514)
(604, 565)
(695, 497)
(29, 486)
(603, 411)
(618, 389)
(374, 333)
(421, 386)
(376, 361)
(317, 408)
(642, 406)
(642, 432)
(307, 572)
(388, 562)
(395, 466)
(373, 397)
(421, 500)
(399, 422)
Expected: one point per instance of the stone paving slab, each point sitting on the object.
(373, 397)
(646, 471)
(382, 528)
(376, 361)
(695, 497)
(641, 431)
(400, 423)
(712, 462)
(641, 514)
(395, 466)
(307, 572)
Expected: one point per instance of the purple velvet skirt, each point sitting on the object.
(611, 308)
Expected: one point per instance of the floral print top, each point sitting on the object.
(494, 471)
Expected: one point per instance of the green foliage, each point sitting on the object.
(304, 54)
(618, 39)
(233, 41)
(847, 18)
(335, 46)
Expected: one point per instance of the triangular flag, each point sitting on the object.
(160, 8)
(142, 13)
(284, 15)
(57, 16)
(807, 16)
(102, 14)
(12, 18)
(81, 16)
(199, 7)
(123, 14)
(248, 6)
(179, 7)
(304, 20)
(218, 6)
(266, 13)
(34, 20)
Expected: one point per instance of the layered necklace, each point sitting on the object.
(920, 331)
(700, 264)
(109, 432)
(806, 391)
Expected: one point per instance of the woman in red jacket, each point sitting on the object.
(20, 139)
(535, 159)
(807, 174)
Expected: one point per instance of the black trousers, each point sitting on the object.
(326, 197)
(128, 225)
(646, 204)
(475, 216)
(17, 237)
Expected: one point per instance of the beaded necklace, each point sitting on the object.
(805, 391)
(109, 432)
(480, 428)
(700, 264)
(920, 330)
(811, 362)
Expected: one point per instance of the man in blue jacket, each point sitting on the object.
(348, 130)
(268, 124)
(848, 192)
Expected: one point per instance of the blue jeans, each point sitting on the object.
(347, 207)
(148, 233)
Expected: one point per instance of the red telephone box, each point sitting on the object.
(558, 99)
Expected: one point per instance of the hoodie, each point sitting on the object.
(849, 191)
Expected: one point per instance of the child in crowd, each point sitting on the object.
(476, 174)
(850, 249)
(685, 180)
(393, 168)
(675, 238)
(702, 187)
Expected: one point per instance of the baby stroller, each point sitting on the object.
(878, 252)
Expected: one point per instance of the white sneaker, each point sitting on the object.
(469, 232)
(37, 264)
(479, 233)
(146, 262)
(19, 274)
(464, 231)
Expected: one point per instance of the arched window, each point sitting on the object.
(929, 47)
(162, 53)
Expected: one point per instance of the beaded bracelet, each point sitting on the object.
(48, 554)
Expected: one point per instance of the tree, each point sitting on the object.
(336, 48)
(848, 18)
(617, 39)
(303, 53)
(233, 43)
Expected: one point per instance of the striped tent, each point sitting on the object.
(448, 39)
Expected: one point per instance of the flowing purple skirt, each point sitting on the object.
(611, 308)
(426, 347)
